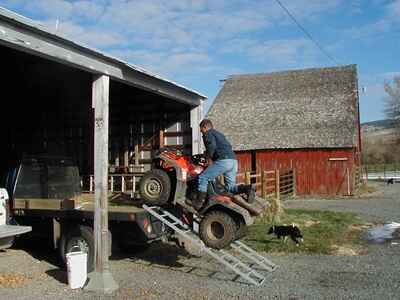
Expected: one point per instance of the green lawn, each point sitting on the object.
(324, 233)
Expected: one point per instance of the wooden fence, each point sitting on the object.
(274, 183)
(278, 184)
(117, 183)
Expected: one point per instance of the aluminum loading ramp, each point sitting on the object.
(234, 263)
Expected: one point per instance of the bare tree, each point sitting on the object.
(392, 101)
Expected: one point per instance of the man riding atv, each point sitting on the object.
(221, 160)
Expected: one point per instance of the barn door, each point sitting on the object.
(339, 176)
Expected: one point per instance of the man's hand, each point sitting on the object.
(209, 161)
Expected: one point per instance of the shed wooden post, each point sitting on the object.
(196, 115)
(101, 279)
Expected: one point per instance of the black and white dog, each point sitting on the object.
(291, 230)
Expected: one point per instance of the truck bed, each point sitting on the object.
(120, 207)
(117, 203)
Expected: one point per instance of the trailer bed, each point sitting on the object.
(120, 207)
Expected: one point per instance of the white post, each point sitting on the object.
(196, 115)
(101, 279)
(91, 183)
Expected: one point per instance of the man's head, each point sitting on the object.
(205, 125)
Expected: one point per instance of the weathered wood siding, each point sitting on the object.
(244, 159)
(318, 172)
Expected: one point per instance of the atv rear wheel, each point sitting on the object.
(155, 187)
(217, 229)
(241, 229)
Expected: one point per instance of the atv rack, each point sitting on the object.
(242, 269)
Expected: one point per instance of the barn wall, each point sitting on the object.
(316, 171)
(244, 160)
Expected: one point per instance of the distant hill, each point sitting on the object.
(380, 127)
(380, 142)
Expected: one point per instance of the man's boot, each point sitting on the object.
(249, 190)
(199, 200)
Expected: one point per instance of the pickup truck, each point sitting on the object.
(45, 194)
(8, 231)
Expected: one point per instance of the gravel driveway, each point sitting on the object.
(166, 272)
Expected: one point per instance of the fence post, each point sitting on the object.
(384, 172)
(263, 184)
(348, 181)
(122, 183)
(112, 184)
(277, 197)
(294, 182)
(277, 185)
(247, 178)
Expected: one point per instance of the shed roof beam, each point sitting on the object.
(27, 37)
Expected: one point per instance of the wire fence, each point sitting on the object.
(382, 171)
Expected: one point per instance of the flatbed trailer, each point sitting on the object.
(68, 221)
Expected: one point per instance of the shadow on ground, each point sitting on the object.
(58, 274)
(40, 249)
(168, 256)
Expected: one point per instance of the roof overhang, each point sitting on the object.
(25, 35)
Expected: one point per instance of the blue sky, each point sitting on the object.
(199, 42)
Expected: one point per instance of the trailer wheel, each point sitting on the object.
(155, 187)
(81, 238)
(217, 229)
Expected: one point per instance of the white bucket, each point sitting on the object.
(77, 269)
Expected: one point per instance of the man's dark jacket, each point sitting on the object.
(217, 146)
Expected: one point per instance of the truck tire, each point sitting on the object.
(81, 238)
(155, 187)
(217, 229)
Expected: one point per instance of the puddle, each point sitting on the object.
(385, 233)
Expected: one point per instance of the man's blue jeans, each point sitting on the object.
(227, 167)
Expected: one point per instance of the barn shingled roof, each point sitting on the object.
(311, 108)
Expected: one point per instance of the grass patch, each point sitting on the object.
(365, 189)
(324, 232)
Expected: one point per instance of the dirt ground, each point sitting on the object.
(32, 271)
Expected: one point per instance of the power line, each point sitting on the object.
(307, 33)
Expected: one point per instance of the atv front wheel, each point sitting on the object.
(217, 229)
(155, 187)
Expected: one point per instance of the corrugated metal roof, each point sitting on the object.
(312, 108)
(15, 18)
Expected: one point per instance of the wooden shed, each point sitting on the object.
(307, 120)
(62, 98)
(49, 86)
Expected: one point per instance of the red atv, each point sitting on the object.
(173, 182)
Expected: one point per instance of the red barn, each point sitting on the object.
(307, 120)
